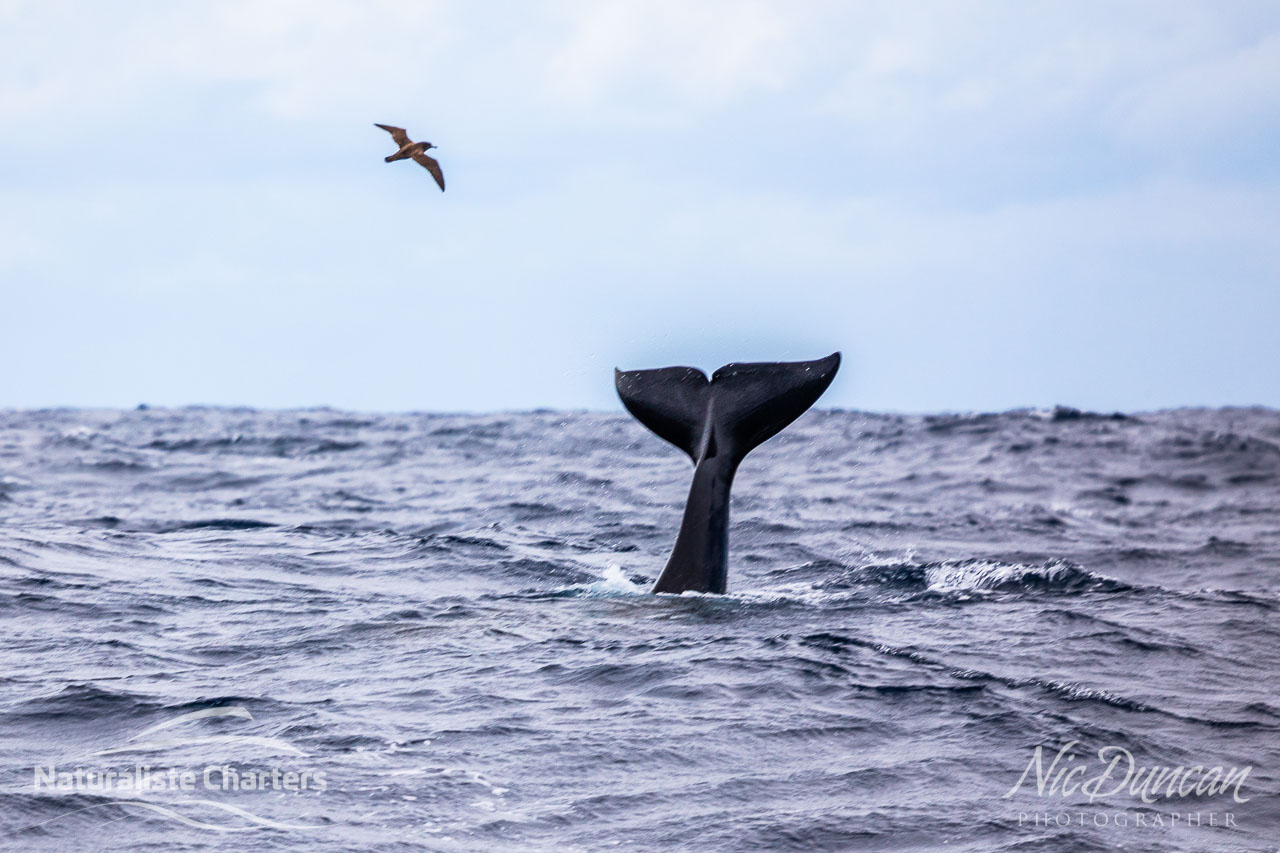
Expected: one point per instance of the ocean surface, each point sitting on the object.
(407, 632)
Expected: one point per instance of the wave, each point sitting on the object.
(1058, 576)
(613, 582)
(876, 584)
(284, 445)
(978, 575)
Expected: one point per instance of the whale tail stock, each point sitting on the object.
(717, 422)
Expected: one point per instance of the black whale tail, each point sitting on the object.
(741, 407)
(717, 422)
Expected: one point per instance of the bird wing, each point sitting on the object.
(397, 133)
(432, 166)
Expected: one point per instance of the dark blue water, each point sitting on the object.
(443, 618)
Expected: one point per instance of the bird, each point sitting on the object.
(417, 151)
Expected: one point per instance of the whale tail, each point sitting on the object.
(717, 422)
(737, 410)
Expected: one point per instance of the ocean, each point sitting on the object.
(1026, 631)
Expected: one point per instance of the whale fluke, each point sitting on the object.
(717, 422)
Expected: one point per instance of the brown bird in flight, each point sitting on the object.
(417, 151)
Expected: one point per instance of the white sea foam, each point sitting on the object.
(983, 574)
(613, 581)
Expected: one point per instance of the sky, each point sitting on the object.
(983, 205)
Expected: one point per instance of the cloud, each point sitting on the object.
(1207, 97)
(984, 201)
(890, 68)
(694, 53)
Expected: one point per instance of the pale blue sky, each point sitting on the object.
(984, 205)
